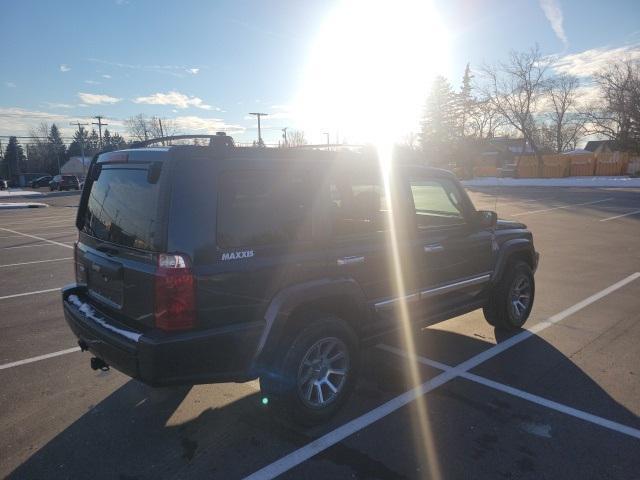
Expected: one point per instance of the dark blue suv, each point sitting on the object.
(201, 264)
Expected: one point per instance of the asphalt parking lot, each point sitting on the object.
(558, 400)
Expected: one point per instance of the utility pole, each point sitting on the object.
(100, 124)
(284, 135)
(260, 142)
(161, 131)
(81, 135)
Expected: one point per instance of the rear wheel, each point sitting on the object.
(512, 299)
(317, 372)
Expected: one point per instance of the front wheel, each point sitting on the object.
(316, 373)
(511, 301)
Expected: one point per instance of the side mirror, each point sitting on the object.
(486, 218)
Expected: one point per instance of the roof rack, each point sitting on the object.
(219, 139)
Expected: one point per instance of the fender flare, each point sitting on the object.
(507, 249)
(287, 300)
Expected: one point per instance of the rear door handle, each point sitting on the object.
(435, 247)
(350, 260)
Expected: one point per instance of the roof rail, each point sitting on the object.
(219, 139)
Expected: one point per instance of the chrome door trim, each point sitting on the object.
(413, 297)
(432, 292)
(435, 247)
(451, 287)
(350, 260)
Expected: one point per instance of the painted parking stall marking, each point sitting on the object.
(36, 237)
(39, 358)
(302, 454)
(516, 392)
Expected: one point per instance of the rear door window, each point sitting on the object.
(123, 208)
(257, 208)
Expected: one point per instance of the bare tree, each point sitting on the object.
(295, 138)
(142, 127)
(138, 127)
(515, 89)
(484, 119)
(565, 124)
(617, 115)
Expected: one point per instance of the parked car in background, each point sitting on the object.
(43, 181)
(64, 182)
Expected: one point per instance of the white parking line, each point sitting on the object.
(530, 397)
(35, 261)
(560, 208)
(38, 358)
(15, 295)
(620, 216)
(36, 237)
(30, 246)
(304, 453)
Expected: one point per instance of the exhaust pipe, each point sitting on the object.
(99, 364)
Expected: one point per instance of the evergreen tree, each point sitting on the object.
(56, 150)
(93, 143)
(75, 147)
(439, 120)
(466, 102)
(118, 142)
(13, 158)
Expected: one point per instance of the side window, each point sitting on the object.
(358, 206)
(258, 208)
(437, 203)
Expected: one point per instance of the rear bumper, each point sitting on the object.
(156, 358)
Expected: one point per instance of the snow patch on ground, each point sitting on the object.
(18, 192)
(22, 205)
(626, 182)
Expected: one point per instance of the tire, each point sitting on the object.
(511, 301)
(295, 385)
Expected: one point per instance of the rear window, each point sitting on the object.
(123, 208)
(263, 208)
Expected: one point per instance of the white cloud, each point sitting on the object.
(59, 105)
(64, 68)
(175, 99)
(97, 99)
(175, 70)
(194, 124)
(585, 64)
(106, 76)
(91, 82)
(553, 12)
(9, 84)
(20, 121)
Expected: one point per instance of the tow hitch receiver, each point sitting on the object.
(99, 364)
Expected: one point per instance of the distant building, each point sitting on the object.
(601, 146)
(77, 166)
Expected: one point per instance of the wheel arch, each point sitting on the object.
(343, 298)
(514, 250)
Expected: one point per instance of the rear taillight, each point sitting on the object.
(175, 293)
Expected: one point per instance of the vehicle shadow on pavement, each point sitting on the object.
(207, 431)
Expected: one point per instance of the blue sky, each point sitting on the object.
(207, 64)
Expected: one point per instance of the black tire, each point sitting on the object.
(500, 311)
(280, 384)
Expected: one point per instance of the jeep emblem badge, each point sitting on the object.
(237, 255)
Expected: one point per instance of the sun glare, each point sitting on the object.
(369, 69)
